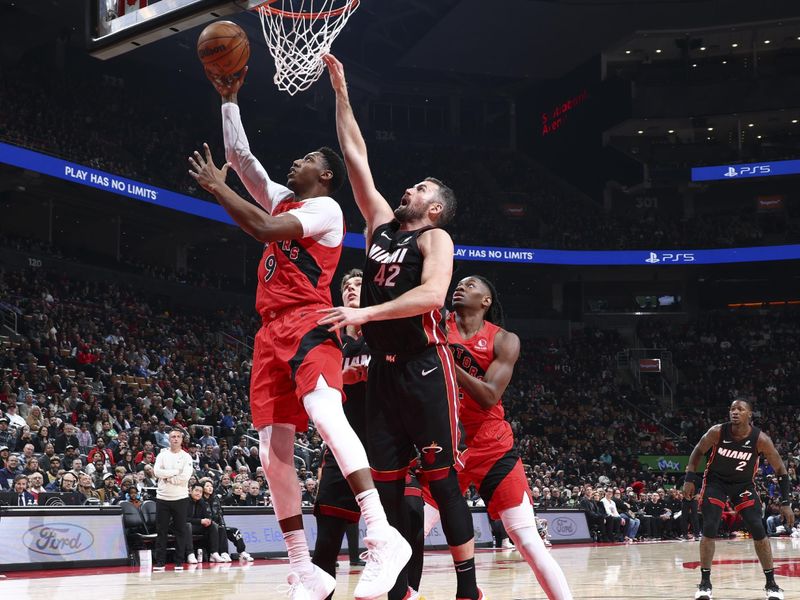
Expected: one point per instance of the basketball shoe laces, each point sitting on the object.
(293, 588)
(373, 557)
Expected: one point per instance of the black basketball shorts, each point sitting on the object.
(412, 405)
(334, 496)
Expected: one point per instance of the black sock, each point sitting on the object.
(465, 577)
(770, 575)
(705, 576)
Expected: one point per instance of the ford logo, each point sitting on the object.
(58, 539)
(564, 526)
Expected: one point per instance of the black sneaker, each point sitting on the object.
(773, 592)
(703, 592)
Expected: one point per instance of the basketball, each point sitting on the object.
(223, 48)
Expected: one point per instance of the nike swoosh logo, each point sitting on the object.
(428, 371)
(727, 442)
(383, 234)
(404, 242)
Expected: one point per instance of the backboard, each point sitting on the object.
(119, 26)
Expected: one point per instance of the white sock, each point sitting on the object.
(371, 508)
(296, 544)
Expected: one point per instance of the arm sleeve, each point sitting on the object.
(322, 219)
(237, 152)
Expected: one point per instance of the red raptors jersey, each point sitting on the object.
(474, 356)
(294, 273)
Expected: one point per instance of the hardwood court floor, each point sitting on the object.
(666, 570)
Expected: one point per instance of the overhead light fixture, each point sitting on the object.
(734, 45)
(759, 137)
(627, 51)
(658, 51)
(724, 62)
(694, 66)
(751, 124)
(767, 41)
(794, 120)
(640, 132)
(702, 48)
(671, 131)
(711, 129)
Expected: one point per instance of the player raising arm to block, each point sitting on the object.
(411, 387)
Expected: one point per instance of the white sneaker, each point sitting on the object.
(773, 592)
(215, 557)
(179, 567)
(703, 592)
(246, 556)
(226, 557)
(191, 559)
(385, 557)
(316, 585)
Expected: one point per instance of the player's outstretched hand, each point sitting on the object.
(205, 172)
(354, 374)
(342, 316)
(228, 85)
(336, 72)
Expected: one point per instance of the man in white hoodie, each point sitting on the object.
(173, 469)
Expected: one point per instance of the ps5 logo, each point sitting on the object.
(750, 171)
(669, 257)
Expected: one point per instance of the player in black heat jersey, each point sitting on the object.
(412, 401)
(336, 509)
(733, 450)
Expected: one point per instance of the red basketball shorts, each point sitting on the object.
(491, 464)
(291, 353)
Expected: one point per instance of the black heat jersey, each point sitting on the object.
(733, 462)
(356, 352)
(393, 267)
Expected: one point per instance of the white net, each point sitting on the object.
(298, 33)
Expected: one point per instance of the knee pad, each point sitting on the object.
(712, 514)
(519, 516)
(752, 520)
(456, 519)
(324, 407)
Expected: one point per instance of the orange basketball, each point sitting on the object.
(223, 48)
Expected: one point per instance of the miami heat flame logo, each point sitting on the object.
(429, 453)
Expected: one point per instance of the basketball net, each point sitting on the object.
(298, 33)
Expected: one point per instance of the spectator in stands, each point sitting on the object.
(632, 524)
(42, 439)
(237, 497)
(656, 508)
(109, 493)
(4, 453)
(596, 519)
(617, 522)
(67, 438)
(85, 439)
(32, 466)
(309, 494)
(133, 496)
(160, 435)
(207, 439)
(24, 497)
(10, 472)
(14, 420)
(8, 437)
(86, 489)
(148, 460)
(34, 418)
(225, 533)
(68, 482)
(52, 475)
(208, 461)
(36, 486)
(255, 496)
(199, 515)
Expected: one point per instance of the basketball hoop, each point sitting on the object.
(298, 33)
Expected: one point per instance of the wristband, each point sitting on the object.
(692, 477)
(783, 482)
